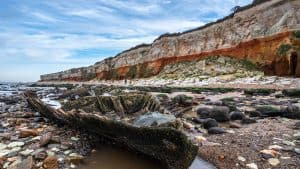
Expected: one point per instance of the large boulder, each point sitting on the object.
(209, 123)
(237, 115)
(219, 113)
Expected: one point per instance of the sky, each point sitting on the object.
(46, 36)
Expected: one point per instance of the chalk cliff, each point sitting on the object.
(265, 33)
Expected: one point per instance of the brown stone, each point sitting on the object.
(51, 162)
(28, 132)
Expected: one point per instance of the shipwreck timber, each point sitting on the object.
(165, 144)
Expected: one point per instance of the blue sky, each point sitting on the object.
(45, 36)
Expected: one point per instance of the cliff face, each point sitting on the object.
(266, 34)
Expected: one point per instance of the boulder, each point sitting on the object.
(291, 92)
(183, 100)
(219, 113)
(269, 111)
(153, 119)
(209, 123)
(237, 115)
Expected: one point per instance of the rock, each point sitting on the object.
(45, 139)
(183, 100)
(237, 115)
(216, 130)
(291, 92)
(2, 146)
(269, 111)
(296, 136)
(188, 125)
(27, 133)
(26, 152)
(269, 153)
(252, 166)
(50, 162)
(297, 125)
(275, 147)
(292, 111)
(197, 120)
(274, 161)
(234, 125)
(200, 139)
(297, 151)
(153, 119)
(15, 144)
(219, 113)
(248, 120)
(209, 123)
(75, 139)
(253, 113)
(75, 158)
(288, 143)
(240, 158)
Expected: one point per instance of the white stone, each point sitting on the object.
(74, 138)
(3, 146)
(15, 144)
(288, 143)
(275, 147)
(252, 166)
(241, 158)
(273, 161)
(26, 152)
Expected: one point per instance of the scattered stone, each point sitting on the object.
(248, 120)
(74, 139)
(288, 143)
(275, 147)
(269, 154)
(200, 139)
(216, 130)
(274, 161)
(26, 152)
(27, 133)
(40, 154)
(234, 125)
(240, 158)
(252, 166)
(188, 125)
(2, 146)
(237, 115)
(297, 150)
(75, 158)
(209, 123)
(50, 162)
(15, 144)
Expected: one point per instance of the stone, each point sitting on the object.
(234, 125)
(288, 143)
(275, 147)
(269, 153)
(74, 139)
(297, 125)
(209, 123)
(15, 144)
(270, 110)
(296, 136)
(24, 164)
(45, 139)
(13, 152)
(252, 166)
(200, 139)
(26, 152)
(51, 162)
(274, 161)
(237, 115)
(27, 133)
(297, 151)
(292, 111)
(2, 146)
(216, 130)
(40, 154)
(188, 125)
(75, 158)
(248, 120)
(240, 158)
(220, 113)
(254, 113)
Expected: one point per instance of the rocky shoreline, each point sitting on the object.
(249, 128)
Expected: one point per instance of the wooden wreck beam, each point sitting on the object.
(167, 145)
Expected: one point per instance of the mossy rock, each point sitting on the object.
(291, 92)
(269, 110)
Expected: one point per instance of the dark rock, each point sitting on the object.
(262, 92)
(292, 111)
(209, 123)
(297, 125)
(269, 111)
(198, 120)
(216, 130)
(220, 113)
(183, 100)
(291, 92)
(253, 113)
(248, 120)
(237, 115)
(204, 112)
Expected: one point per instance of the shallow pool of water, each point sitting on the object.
(113, 158)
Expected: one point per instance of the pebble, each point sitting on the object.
(26, 152)
(200, 139)
(296, 136)
(74, 139)
(275, 147)
(252, 166)
(234, 125)
(51, 162)
(75, 158)
(269, 153)
(27, 133)
(188, 125)
(3, 146)
(241, 158)
(297, 150)
(274, 161)
(288, 143)
(45, 139)
(15, 144)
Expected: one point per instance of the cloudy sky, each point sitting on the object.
(45, 36)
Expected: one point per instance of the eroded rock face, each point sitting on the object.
(262, 34)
